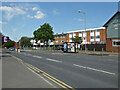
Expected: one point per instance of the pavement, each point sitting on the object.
(80, 52)
(17, 75)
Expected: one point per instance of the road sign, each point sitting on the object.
(5, 39)
(84, 38)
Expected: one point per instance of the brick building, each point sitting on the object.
(60, 39)
(89, 36)
(113, 33)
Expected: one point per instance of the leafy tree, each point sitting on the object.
(77, 39)
(25, 42)
(9, 44)
(44, 33)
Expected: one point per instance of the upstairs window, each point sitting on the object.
(92, 37)
(97, 37)
(98, 30)
(92, 31)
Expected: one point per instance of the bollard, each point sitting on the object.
(94, 49)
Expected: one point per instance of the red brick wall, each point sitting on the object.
(103, 34)
(94, 35)
(88, 36)
(109, 46)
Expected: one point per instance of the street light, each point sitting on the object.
(79, 11)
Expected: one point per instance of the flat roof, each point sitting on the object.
(86, 29)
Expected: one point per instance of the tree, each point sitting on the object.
(44, 33)
(25, 42)
(9, 44)
(77, 39)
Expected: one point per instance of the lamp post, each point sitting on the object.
(85, 26)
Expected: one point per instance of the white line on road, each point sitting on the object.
(53, 60)
(37, 56)
(94, 69)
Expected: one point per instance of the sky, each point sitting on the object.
(23, 18)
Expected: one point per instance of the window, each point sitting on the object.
(97, 36)
(92, 37)
(92, 31)
(63, 36)
(116, 42)
(98, 30)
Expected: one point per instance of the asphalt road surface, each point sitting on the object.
(75, 70)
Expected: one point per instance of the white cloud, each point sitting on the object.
(30, 16)
(39, 15)
(35, 8)
(11, 11)
(2, 22)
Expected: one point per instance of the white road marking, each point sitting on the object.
(37, 56)
(53, 60)
(94, 69)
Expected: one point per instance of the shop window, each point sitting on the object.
(116, 42)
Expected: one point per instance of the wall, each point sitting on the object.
(109, 46)
(96, 47)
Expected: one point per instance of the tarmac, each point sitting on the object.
(17, 75)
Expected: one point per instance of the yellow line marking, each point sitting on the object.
(55, 82)
(54, 78)
(45, 74)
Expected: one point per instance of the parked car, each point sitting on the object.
(11, 48)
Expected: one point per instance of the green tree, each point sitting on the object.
(44, 33)
(9, 44)
(25, 42)
(77, 39)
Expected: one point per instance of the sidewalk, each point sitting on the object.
(99, 53)
(16, 75)
(81, 52)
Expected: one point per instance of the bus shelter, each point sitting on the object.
(70, 47)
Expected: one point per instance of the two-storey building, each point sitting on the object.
(113, 33)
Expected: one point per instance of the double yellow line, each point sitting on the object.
(58, 82)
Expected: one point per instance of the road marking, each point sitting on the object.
(37, 56)
(94, 69)
(42, 77)
(53, 60)
(60, 83)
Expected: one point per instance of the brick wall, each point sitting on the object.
(109, 46)
(102, 34)
(88, 36)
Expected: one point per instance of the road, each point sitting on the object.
(75, 70)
